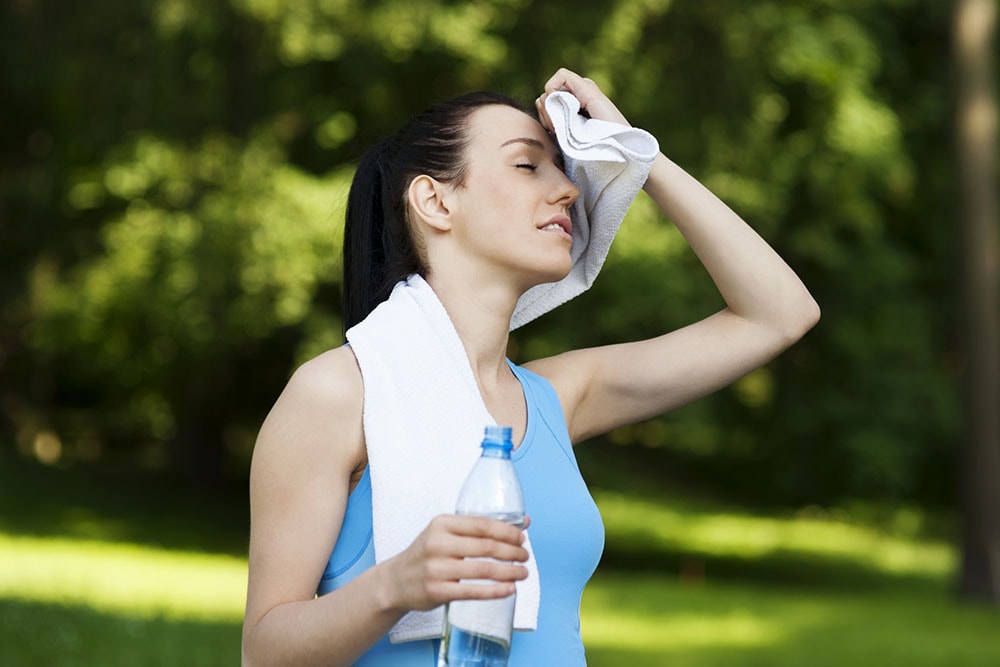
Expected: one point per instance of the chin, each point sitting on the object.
(540, 270)
(557, 272)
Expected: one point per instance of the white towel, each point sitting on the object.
(609, 163)
(423, 423)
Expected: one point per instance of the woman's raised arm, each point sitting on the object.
(767, 308)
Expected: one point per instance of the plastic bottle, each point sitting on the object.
(478, 632)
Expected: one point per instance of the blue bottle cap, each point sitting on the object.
(498, 436)
(498, 432)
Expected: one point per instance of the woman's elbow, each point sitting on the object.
(801, 318)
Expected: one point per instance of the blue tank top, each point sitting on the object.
(567, 536)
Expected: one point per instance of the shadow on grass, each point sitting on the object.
(657, 474)
(88, 503)
(47, 635)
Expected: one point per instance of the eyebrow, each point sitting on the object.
(534, 143)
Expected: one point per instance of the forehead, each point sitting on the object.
(492, 126)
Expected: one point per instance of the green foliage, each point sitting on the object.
(174, 173)
(216, 249)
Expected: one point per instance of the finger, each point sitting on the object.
(453, 545)
(563, 79)
(480, 526)
(582, 88)
(484, 547)
(482, 569)
(474, 570)
(593, 102)
(543, 114)
(446, 591)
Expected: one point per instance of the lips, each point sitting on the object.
(558, 223)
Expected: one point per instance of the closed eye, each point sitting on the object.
(527, 165)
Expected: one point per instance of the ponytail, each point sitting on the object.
(364, 235)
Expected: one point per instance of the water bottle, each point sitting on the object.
(478, 632)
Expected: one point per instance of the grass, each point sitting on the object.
(694, 584)
(38, 634)
(124, 579)
(94, 572)
(653, 620)
(811, 548)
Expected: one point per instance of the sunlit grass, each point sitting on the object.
(121, 578)
(136, 579)
(709, 532)
(95, 595)
(608, 626)
(650, 619)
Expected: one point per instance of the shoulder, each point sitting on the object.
(570, 375)
(536, 378)
(567, 372)
(331, 380)
(318, 416)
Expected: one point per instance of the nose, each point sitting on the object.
(564, 192)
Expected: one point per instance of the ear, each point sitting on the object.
(429, 202)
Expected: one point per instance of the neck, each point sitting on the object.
(480, 310)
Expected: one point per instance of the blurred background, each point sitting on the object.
(173, 176)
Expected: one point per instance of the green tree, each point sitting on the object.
(173, 174)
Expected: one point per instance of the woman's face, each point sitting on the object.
(513, 206)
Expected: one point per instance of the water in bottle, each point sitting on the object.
(478, 632)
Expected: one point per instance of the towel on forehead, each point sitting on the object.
(609, 163)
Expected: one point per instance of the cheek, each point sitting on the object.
(503, 185)
(487, 186)
(501, 200)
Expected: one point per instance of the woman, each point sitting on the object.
(473, 197)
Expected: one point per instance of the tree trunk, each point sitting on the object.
(976, 138)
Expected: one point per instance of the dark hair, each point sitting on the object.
(379, 247)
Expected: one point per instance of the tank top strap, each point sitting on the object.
(543, 403)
